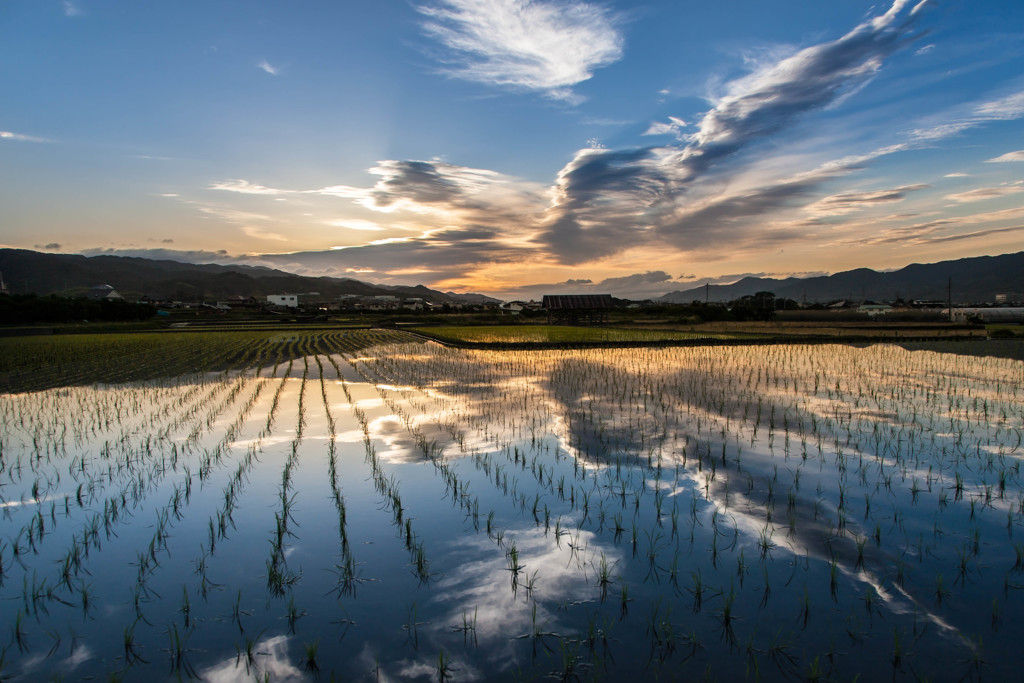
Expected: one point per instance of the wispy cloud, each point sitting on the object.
(608, 200)
(433, 255)
(229, 214)
(938, 232)
(1009, 156)
(18, 137)
(354, 224)
(426, 187)
(983, 193)
(598, 121)
(455, 218)
(771, 98)
(634, 286)
(544, 46)
(261, 234)
(1005, 108)
(848, 202)
(266, 66)
(71, 9)
(245, 187)
(673, 126)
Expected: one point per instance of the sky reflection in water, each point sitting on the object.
(479, 515)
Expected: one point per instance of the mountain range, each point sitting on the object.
(27, 271)
(969, 280)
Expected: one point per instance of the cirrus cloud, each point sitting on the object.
(983, 193)
(540, 46)
(1009, 156)
(19, 137)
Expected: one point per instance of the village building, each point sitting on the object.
(512, 307)
(286, 300)
(240, 302)
(577, 309)
(874, 309)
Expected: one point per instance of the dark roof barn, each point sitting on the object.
(577, 309)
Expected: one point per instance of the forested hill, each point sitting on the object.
(973, 280)
(31, 272)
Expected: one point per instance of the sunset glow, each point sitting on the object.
(516, 147)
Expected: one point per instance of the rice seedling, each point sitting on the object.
(309, 662)
(444, 667)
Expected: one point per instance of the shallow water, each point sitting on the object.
(415, 512)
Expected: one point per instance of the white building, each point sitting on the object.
(289, 300)
(512, 307)
(874, 309)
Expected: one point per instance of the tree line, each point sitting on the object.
(30, 308)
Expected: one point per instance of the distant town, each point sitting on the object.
(594, 308)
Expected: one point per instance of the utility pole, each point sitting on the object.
(707, 292)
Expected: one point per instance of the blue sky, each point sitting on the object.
(515, 147)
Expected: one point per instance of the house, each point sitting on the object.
(241, 302)
(287, 300)
(414, 304)
(512, 307)
(104, 293)
(382, 302)
(577, 309)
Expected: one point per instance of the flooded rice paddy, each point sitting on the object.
(360, 506)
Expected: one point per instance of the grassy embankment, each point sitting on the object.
(668, 332)
(558, 334)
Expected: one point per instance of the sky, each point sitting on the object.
(516, 147)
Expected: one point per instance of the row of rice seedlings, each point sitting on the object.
(387, 488)
(279, 577)
(346, 568)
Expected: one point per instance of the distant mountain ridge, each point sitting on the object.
(974, 280)
(27, 271)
